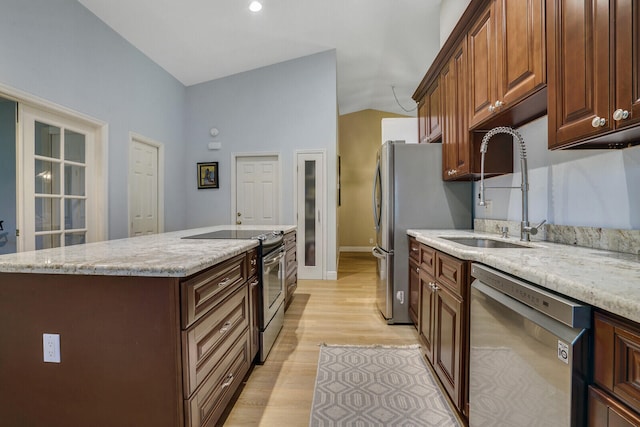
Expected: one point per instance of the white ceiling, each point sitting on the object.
(379, 43)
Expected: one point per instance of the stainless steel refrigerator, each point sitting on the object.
(408, 193)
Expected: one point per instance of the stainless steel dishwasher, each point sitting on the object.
(528, 360)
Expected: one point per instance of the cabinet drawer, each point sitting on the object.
(252, 263)
(290, 240)
(450, 272)
(617, 358)
(200, 293)
(427, 259)
(605, 411)
(414, 249)
(210, 338)
(290, 262)
(210, 400)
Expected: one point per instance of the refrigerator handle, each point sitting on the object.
(377, 180)
(376, 253)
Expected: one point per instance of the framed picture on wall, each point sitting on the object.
(208, 175)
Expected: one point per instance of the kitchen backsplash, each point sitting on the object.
(626, 241)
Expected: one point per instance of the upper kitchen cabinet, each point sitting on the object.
(430, 114)
(455, 133)
(594, 73)
(507, 64)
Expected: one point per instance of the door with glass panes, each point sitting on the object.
(58, 196)
(310, 214)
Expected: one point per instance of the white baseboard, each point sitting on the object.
(332, 275)
(355, 248)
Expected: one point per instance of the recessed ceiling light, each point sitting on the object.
(255, 6)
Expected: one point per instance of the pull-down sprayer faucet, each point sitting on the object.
(525, 229)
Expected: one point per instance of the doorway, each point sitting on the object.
(146, 188)
(310, 213)
(257, 190)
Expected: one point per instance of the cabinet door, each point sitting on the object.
(578, 63)
(455, 137)
(482, 72)
(414, 291)
(607, 412)
(423, 112)
(521, 57)
(425, 328)
(627, 67)
(434, 113)
(447, 347)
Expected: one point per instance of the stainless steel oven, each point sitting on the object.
(528, 356)
(273, 275)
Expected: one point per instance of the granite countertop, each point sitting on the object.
(604, 279)
(158, 255)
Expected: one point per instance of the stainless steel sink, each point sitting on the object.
(484, 243)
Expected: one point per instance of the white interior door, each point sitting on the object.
(144, 186)
(310, 205)
(59, 181)
(257, 190)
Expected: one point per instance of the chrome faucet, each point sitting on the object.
(526, 231)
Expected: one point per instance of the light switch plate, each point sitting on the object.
(51, 348)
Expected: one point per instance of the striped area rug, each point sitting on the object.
(377, 386)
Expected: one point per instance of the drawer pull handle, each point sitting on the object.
(228, 382)
(414, 249)
(224, 282)
(254, 283)
(225, 328)
(254, 261)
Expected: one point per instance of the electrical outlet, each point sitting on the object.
(51, 347)
(370, 240)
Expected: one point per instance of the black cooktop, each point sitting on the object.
(230, 234)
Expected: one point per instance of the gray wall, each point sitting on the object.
(592, 188)
(280, 108)
(59, 51)
(8, 176)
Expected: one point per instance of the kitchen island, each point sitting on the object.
(153, 330)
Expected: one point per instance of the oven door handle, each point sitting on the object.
(275, 260)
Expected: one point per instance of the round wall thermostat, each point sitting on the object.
(214, 131)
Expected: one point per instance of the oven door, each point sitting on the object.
(272, 284)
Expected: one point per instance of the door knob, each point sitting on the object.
(239, 214)
(598, 122)
(620, 114)
(238, 222)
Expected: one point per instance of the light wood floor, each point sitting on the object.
(343, 311)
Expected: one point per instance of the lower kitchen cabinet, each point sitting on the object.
(414, 291)
(291, 267)
(614, 399)
(443, 320)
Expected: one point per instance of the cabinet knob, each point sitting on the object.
(498, 104)
(620, 114)
(492, 108)
(417, 269)
(598, 122)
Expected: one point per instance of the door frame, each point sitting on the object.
(133, 136)
(101, 141)
(234, 184)
(323, 212)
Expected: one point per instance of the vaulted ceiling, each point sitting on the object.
(378, 43)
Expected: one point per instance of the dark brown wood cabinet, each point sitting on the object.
(507, 63)
(604, 411)
(414, 292)
(291, 267)
(616, 393)
(455, 133)
(443, 319)
(594, 73)
(430, 114)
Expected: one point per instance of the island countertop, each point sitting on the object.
(604, 279)
(157, 255)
